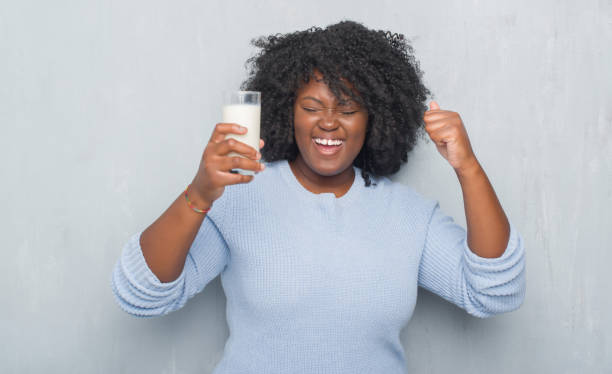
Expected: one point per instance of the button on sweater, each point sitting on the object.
(319, 284)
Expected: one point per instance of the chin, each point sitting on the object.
(328, 168)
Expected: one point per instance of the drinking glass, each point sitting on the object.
(243, 108)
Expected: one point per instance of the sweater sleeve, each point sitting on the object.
(137, 289)
(481, 286)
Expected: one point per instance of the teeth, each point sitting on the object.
(328, 141)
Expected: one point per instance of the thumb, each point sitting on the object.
(434, 106)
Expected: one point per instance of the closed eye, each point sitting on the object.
(316, 110)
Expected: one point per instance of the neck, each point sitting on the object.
(338, 184)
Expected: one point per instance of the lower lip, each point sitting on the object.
(328, 150)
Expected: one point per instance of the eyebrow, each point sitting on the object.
(348, 102)
(312, 98)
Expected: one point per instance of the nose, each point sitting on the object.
(328, 119)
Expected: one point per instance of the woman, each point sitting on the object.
(320, 254)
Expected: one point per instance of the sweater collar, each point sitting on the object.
(294, 184)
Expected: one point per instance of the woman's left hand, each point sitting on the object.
(446, 130)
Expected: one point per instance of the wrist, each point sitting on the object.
(195, 201)
(470, 169)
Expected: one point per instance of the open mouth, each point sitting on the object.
(328, 147)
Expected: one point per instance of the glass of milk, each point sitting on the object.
(243, 108)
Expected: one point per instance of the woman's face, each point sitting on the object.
(319, 118)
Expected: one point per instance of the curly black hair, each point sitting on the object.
(379, 64)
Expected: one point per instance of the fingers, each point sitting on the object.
(223, 154)
(438, 114)
(223, 145)
(215, 165)
(230, 178)
(440, 118)
(434, 106)
(442, 136)
(233, 145)
(222, 129)
(435, 126)
(229, 163)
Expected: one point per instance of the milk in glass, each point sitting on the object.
(247, 115)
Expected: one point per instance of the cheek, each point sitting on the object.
(301, 128)
(361, 128)
(298, 130)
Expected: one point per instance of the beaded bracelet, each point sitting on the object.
(191, 204)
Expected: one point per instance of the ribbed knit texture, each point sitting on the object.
(319, 284)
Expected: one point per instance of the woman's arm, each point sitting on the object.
(483, 287)
(166, 242)
(488, 229)
(481, 270)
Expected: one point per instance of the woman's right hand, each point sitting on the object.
(214, 171)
